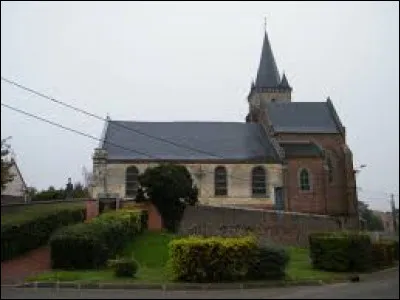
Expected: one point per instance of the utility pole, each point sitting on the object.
(393, 213)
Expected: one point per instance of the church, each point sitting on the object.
(286, 155)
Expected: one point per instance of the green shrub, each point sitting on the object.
(396, 250)
(90, 245)
(268, 263)
(214, 259)
(383, 253)
(125, 267)
(341, 251)
(22, 234)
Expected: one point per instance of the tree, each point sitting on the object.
(140, 196)
(372, 221)
(87, 177)
(32, 191)
(170, 188)
(6, 164)
(80, 191)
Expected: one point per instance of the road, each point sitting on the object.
(380, 287)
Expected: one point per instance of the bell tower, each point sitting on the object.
(269, 86)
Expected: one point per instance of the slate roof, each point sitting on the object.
(301, 149)
(215, 140)
(284, 82)
(267, 74)
(302, 117)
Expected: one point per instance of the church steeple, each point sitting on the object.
(269, 86)
(267, 75)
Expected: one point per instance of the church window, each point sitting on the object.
(304, 180)
(258, 182)
(220, 182)
(131, 181)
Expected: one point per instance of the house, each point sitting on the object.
(387, 221)
(15, 190)
(287, 155)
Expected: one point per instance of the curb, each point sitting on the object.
(173, 286)
(377, 273)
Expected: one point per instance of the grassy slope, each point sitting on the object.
(149, 249)
(30, 211)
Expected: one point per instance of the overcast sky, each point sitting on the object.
(160, 61)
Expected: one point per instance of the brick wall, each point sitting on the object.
(337, 191)
(154, 221)
(92, 209)
(272, 226)
(314, 200)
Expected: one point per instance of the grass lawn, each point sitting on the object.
(151, 251)
(300, 267)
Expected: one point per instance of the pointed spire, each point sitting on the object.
(267, 75)
(284, 82)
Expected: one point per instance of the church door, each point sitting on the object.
(279, 201)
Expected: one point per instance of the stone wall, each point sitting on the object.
(270, 226)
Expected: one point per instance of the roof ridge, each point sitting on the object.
(194, 122)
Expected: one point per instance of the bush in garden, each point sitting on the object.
(125, 267)
(213, 259)
(268, 263)
(383, 253)
(90, 245)
(27, 232)
(341, 251)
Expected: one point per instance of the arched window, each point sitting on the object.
(304, 180)
(330, 169)
(220, 183)
(258, 181)
(131, 181)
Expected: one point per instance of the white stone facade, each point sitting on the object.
(239, 182)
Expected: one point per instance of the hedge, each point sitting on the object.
(341, 251)
(268, 263)
(90, 245)
(125, 267)
(213, 259)
(22, 233)
(384, 253)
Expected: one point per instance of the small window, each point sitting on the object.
(131, 181)
(220, 183)
(273, 100)
(304, 180)
(258, 183)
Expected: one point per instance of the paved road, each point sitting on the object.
(385, 287)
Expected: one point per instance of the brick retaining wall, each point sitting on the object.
(270, 226)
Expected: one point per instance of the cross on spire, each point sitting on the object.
(265, 24)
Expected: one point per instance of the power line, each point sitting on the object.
(67, 128)
(104, 119)
(18, 85)
(361, 189)
(92, 137)
(122, 147)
